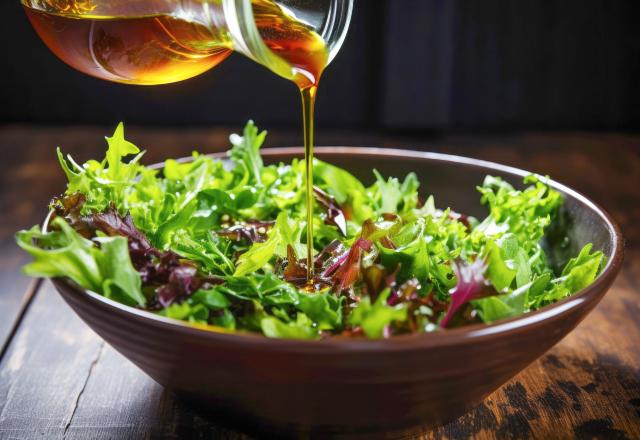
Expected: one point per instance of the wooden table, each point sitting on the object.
(59, 380)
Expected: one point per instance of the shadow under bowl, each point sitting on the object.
(358, 386)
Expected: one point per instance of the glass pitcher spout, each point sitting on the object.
(295, 39)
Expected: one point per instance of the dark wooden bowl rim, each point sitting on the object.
(416, 341)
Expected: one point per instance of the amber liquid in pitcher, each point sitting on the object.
(160, 49)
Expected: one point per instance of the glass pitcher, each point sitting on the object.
(162, 41)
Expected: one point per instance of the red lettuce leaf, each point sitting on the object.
(182, 282)
(295, 271)
(69, 208)
(349, 270)
(471, 284)
(327, 260)
(334, 215)
(112, 223)
(161, 271)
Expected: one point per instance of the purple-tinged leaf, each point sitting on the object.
(69, 207)
(335, 216)
(349, 270)
(327, 256)
(335, 263)
(112, 223)
(330, 258)
(296, 270)
(252, 231)
(163, 271)
(471, 284)
(182, 282)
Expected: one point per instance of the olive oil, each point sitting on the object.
(163, 48)
(308, 107)
(306, 52)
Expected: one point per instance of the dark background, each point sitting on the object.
(407, 65)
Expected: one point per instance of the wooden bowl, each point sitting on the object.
(346, 386)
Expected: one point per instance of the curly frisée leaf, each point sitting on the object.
(524, 214)
(106, 182)
(578, 273)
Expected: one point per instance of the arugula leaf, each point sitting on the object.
(420, 255)
(281, 235)
(209, 251)
(119, 148)
(106, 182)
(246, 152)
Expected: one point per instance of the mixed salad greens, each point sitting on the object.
(220, 243)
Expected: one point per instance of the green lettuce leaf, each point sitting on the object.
(301, 328)
(246, 152)
(324, 309)
(373, 318)
(260, 254)
(106, 269)
(579, 273)
(391, 196)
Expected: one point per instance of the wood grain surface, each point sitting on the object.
(59, 380)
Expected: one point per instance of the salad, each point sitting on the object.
(221, 243)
